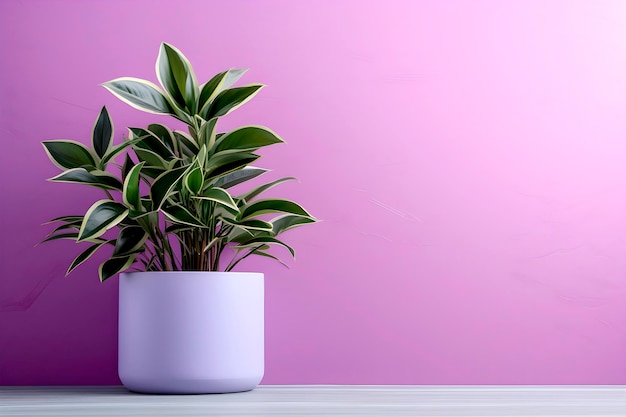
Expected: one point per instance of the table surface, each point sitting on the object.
(322, 400)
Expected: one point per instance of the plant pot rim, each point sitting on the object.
(216, 273)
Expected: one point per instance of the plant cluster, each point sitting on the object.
(175, 184)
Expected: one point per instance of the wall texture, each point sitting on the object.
(467, 159)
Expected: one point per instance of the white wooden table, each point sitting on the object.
(322, 400)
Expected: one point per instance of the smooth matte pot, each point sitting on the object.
(191, 332)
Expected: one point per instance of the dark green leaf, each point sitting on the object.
(165, 136)
(289, 221)
(176, 75)
(247, 138)
(220, 196)
(102, 134)
(250, 224)
(101, 179)
(114, 265)
(181, 215)
(223, 164)
(86, 254)
(273, 205)
(260, 189)
(130, 194)
(67, 154)
(129, 241)
(230, 99)
(194, 181)
(128, 164)
(237, 177)
(163, 186)
(190, 147)
(268, 240)
(101, 216)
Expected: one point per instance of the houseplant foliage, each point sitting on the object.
(174, 188)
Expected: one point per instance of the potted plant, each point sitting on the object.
(187, 322)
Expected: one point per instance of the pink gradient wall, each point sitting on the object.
(468, 159)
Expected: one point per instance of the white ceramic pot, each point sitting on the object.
(189, 332)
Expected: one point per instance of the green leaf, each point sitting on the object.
(114, 265)
(210, 89)
(86, 254)
(175, 73)
(68, 154)
(180, 215)
(100, 179)
(102, 133)
(152, 143)
(289, 221)
(272, 205)
(150, 158)
(267, 240)
(130, 193)
(225, 163)
(165, 136)
(140, 94)
(238, 177)
(207, 133)
(71, 236)
(220, 196)
(218, 83)
(194, 181)
(116, 150)
(128, 164)
(260, 189)
(248, 138)
(229, 100)
(129, 241)
(164, 184)
(101, 216)
(68, 219)
(190, 147)
(251, 224)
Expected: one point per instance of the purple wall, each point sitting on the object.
(467, 158)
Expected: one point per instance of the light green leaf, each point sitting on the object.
(248, 138)
(67, 154)
(102, 133)
(114, 265)
(99, 179)
(101, 216)
(140, 94)
(229, 100)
